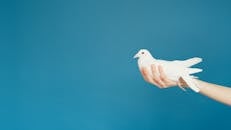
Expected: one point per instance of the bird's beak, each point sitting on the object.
(136, 56)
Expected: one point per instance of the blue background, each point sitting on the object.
(67, 65)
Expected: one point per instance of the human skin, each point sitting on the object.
(216, 92)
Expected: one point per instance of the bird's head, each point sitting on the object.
(142, 53)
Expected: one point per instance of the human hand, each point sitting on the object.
(159, 78)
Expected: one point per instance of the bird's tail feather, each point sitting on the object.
(192, 61)
(193, 70)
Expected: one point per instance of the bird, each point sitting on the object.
(174, 70)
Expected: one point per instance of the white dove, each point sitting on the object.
(173, 69)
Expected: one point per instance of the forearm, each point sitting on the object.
(216, 92)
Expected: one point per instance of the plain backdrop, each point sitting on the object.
(68, 64)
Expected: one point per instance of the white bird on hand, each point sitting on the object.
(174, 70)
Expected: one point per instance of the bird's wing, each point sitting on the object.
(189, 62)
(189, 81)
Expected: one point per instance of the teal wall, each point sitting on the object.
(67, 65)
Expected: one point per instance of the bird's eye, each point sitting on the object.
(142, 52)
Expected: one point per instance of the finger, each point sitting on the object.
(162, 73)
(156, 77)
(160, 83)
(143, 73)
(164, 77)
(154, 70)
(148, 77)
